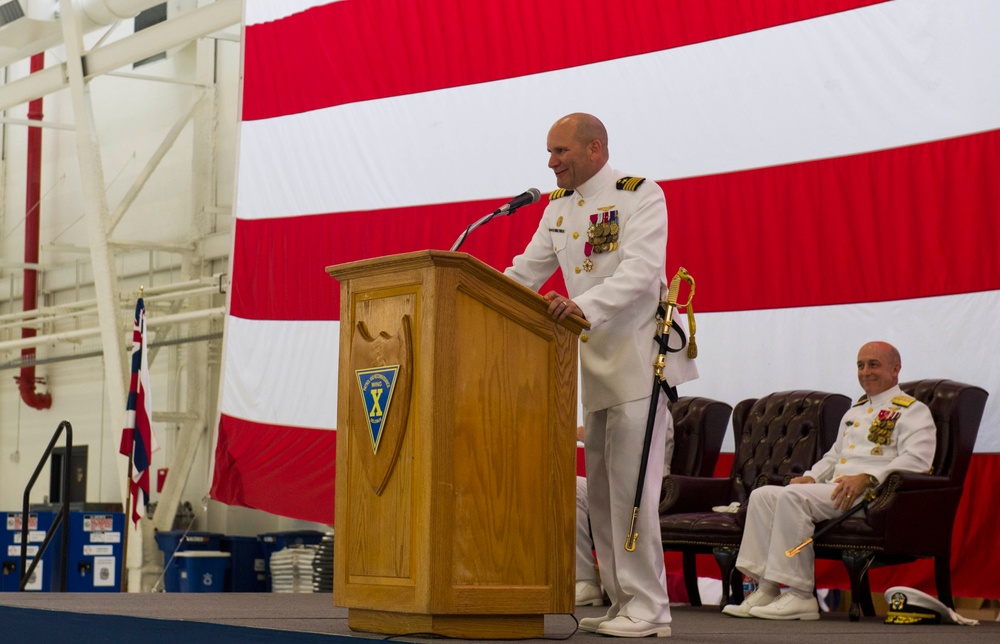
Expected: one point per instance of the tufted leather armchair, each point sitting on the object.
(914, 514)
(699, 427)
(778, 437)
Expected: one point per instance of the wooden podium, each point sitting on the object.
(455, 490)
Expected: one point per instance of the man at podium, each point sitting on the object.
(607, 232)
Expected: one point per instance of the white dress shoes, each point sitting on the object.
(754, 599)
(591, 624)
(589, 593)
(788, 606)
(623, 626)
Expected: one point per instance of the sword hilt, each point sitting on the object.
(632, 534)
(663, 324)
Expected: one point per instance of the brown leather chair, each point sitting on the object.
(699, 428)
(914, 514)
(778, 437)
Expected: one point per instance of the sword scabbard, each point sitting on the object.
(632, 534)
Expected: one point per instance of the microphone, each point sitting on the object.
(529, 196)
(526, 198)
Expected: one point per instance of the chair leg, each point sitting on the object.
(857, 563)
(736, 583)
(691, 578)
(942, 576)
(726, 558)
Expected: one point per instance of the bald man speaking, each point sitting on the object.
(607, 232)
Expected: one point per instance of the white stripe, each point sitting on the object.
(893, 74)
(285, 373)
(282, 373)
(258, 11)
(752, 353)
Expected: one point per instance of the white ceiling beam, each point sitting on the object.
(154, 322)
(153, 163)
(175, 32)
(32, 123)
(41, 83)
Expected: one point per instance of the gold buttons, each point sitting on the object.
(554, 248)
(576, 235)
(583, 337)
(843, 460)
(577, 270)
(852, 447)
(579, 203)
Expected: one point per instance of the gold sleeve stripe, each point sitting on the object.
(630, 183)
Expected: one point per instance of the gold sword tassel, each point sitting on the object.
(692, 350)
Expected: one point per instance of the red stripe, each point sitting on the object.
(283, 470)
(293, 284)
(749, 238)
(889, 225)
(424, 46)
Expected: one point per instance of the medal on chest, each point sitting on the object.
(880, 431)
(602, 234)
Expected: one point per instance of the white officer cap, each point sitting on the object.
(911, 606)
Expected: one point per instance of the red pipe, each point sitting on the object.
(26, 381)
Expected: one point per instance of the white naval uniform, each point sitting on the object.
(779, 518)
(618, 296)
(585, 568)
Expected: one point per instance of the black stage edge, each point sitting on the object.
(249, 618)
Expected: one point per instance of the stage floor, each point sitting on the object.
(277, 614)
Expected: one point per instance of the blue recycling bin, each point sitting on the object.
(202, 571)
(173, 542)
(45, 577)
(272, 542)
(247, 570)
(96, 548)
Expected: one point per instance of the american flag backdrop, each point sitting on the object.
(830, 170)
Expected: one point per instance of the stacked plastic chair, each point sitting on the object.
(323, 565)
(291, 569)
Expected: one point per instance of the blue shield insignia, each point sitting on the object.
(382, 365)
(376, 386)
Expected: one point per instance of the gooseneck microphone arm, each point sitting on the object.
(529, 196)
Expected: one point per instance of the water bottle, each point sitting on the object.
(749, 585)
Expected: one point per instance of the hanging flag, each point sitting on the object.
(138, 441)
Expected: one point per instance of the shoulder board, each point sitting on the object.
(559, 193)
(862, 400)
(629, 183)
(903, 401)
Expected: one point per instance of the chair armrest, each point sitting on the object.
(682, 494)
(898, 483)
(907, 481)
(909, 493)
(780, 480)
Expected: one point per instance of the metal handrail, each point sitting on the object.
(61, 517)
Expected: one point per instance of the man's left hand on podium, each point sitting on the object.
(561, 307)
